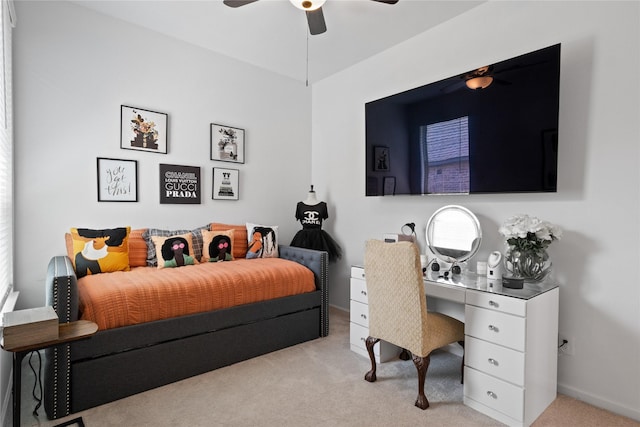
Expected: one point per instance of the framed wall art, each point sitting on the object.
(227, 143)
(143, 130)
(381, 160)
(389, 186)
(117, 180)
(179, 184)
(225, 184)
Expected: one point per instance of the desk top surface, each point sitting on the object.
(472, 281)
(67, 332)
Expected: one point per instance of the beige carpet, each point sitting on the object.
(318, 383)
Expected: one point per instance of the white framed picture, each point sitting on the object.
(227, 143)
(117, 180)
(143, 130)
(225, 184)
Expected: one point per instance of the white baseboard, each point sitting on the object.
(337, 307)
(616, 408)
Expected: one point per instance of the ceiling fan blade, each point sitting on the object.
(387, 1)
(315, 19)
(501, 82)
(452, 87)
(238, 3)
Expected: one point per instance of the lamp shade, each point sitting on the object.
(308, 4)
(481, 82)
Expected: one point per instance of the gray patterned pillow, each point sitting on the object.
(196, 236)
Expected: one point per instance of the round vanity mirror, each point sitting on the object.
(453, 234)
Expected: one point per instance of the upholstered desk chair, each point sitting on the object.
(398, 308)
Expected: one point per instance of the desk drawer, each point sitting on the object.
(448, 292)
(357, 272)
(499, 303)
(495, 327)
(494, 393)
(495, 360)
(359, 290)
(358, 336)
(383, 351)
(359, 313)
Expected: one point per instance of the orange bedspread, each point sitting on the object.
(145, 294)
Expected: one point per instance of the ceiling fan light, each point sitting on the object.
(481, 82)
(308, 4)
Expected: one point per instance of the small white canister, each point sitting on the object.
(481, 268)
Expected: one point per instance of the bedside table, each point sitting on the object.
(67, 332)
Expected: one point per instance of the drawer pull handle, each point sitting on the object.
(362, 339)
(363, 275)
(494, 362)
(363, 293)
(494, 304)
(492, 395)
(494, 328)
(364, 316)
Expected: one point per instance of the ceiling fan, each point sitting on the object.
(313, 9)
(483, 77)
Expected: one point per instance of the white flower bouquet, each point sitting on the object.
(526, 232)
(528, 239)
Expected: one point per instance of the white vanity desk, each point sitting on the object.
(511, 339)
(511, 335)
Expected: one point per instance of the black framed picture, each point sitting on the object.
(143, 130)
(225, 184)
(381, 161)
(227, 143)
(179, 184)
(117, 180)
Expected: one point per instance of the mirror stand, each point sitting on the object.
(453, 236)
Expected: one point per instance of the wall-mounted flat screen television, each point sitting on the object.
(489, 130)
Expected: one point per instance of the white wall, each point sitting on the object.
(73, 70)
(597, 204)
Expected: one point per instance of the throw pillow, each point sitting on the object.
(262, 241)
(100, 251)
(217, 246)
(239, 237)
(137, 248)
(196, 235)
(174, 251)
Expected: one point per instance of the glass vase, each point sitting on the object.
(531, 265)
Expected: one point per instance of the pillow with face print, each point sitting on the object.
(218, 246)
(174, 251)
(99, 251)
(263, 241)
(196, 238)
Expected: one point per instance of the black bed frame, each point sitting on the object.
(120, 362)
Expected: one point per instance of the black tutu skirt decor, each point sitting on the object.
(318, 239)
(312, 236)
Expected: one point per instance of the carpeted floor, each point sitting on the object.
(318, 383)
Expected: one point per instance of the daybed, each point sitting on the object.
(125, 360)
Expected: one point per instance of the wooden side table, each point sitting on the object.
(67, 332)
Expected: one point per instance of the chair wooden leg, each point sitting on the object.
(404, 354)
(462, 366)
(422, 364)
(371, 375)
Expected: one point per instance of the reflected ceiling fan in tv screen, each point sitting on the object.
(490, 130)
